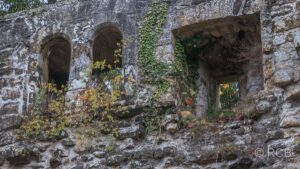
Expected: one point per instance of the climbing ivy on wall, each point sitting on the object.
(185, 72)
(153, 70)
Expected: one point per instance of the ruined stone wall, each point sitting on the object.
(24, 34)
(230, 145)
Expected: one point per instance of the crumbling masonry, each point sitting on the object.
(57, 43)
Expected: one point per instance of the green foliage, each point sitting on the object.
(185, 72)
(153, 118)
(110, 148)
(228, 98)
(97, 107)
(48, 118)
(214, 114)
(154, 71)
(102, 101)
(10, 6)
(228, 95)
(189, 121)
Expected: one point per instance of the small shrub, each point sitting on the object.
(229, 95)
(214, 114)
(48, 118)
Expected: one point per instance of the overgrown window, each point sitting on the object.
(107, 50)
(226, 55)
(56, 59)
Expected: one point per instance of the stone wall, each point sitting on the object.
(204, 91)
(230, 145)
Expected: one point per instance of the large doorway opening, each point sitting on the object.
(226, 52)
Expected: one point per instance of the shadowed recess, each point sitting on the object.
(224, 50)
(58, 52)
(105, 44)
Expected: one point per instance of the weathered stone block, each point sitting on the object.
(96, 164)
(127, 144)
(78, 166)
(170, 118)
(290, 121)
(274, 135)
(172, 128)
(9, 108)
(114, 160)
(297, 149)
(68, 142)
(136, 131)
(281, 2)
(87, 157)
(208, 156)
(20, 155)
(6, 71)
(283, 77)
(55, 162)
(144, 152)
(99, 154)
(169, 150)
(196, 2)
(263, 106)
(6, 138)
(243, 163)
(11, 94)
(130, 112)
(10, 121)
(281, 10)
(158, 154)
(292, 92)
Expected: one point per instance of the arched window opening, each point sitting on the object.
(107, 49)
(56, 55)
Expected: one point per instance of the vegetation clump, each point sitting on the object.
(11, 6)
(97, 105)
(154, 71)
(48, 115)
(186, 75)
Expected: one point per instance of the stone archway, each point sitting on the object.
(107, 41)
(56, 54)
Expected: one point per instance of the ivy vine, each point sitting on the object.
(185, 72)
(154, 71)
